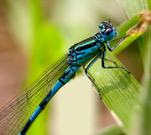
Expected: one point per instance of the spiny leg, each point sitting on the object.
(110, 61)
(92, 63)
(89, 75)
(103, 62)
(112, 49)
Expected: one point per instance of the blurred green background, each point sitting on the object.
(36, 33)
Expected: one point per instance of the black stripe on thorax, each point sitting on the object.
(83, 47)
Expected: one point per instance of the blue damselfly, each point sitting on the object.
(19, 114)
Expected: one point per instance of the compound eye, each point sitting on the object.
(101, 26)
(108, 31)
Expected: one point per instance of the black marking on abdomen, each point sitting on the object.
(44, 102)
(26, 127)
(65, 74)
(61, 81)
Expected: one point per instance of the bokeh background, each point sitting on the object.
(36, 33)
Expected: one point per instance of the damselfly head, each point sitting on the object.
(108, 31)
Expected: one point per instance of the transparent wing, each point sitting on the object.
(16, 113)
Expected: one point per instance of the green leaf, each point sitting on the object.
(113, 130)
(119, 90)
(143, 126)
(149, 4)
(143, 115)
(133, 7)
(141, 123)
(135, 27)
(122, 29)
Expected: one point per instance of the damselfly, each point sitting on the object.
(19, 114)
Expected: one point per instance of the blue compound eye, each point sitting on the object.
(102, 27)
(107, 31)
